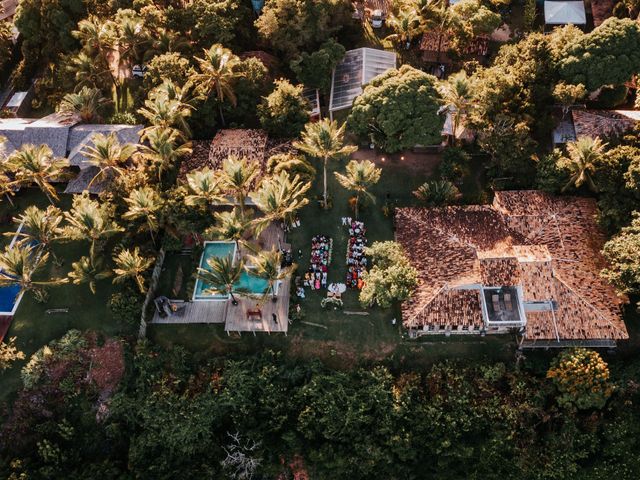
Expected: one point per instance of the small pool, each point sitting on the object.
(8, 299)
(255, 285)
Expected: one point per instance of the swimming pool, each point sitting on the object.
(255, 285)
(10, 295)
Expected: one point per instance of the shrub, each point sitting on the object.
(126, 307)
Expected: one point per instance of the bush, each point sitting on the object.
(284, 112)
(611, 97)
(126, 307)
(123, 118)
(454, 165)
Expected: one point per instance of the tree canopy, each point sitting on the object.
(398, 110)
(609, 55)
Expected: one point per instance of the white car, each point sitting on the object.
(377, 19)
(138, 71)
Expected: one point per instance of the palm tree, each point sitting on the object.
(457, 93)
(267, 265)
(40, 227)
(222, 276)
(292, 164)
(108, 154)
(89, 270)
(36, 164)
(85, 104)
(90, 71)
(360, 176)
(436, 193)
(6, 189)
(405, 24)
(205, 188)
(18, 266)
(89, 220)
(166, 41)
(583, 155)
(279, 198)
(145, 203)
(168, 106)
(163, 151)
(325, 140)
(131, 265)
(218, 73)
(230, 226)
(238, 175)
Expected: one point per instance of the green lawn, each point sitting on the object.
(32, 326)
(336, 337)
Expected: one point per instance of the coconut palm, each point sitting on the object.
(279, 198)
(292, 164)
(583, 154)
(145, 203)
(89, 220)
(360, 177)
(168, 106)
(238, 176)
(324, 140)
(436, 193)
(163, 150)
(19, 264)
(217, 73)
(89, 270)
(131, 265)
(405, 24)
(229, 226)
(108, 154)
(222, 275)
(37, 164)
(457, 92)
(267, 265)
(166, 41)
(90, 71)
(204, 187)
(84, 104)
(6, 189)
(39, 227)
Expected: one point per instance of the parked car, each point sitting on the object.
(138, 71)
(377, 19)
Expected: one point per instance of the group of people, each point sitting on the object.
(356, 260)
(321, 249)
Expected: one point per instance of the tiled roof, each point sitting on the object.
(550, 246)
(603, 123)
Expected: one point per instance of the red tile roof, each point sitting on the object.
(550, 246)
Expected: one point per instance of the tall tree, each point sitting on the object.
(267, 266)
(405, 24)
(90, 270)
(583, 154)
(19, 265)
(145, 203)
(437, 193)
(284, 111)
(623, 254)
(40, 227)
(130, 265)
(167, 107)
(221, 276)
(457, 95)
(324, 140)
(85, 104)
(37, 164)
(238, 176)
(108, 155)
(90, 220)
(360, 176)
(163, 150)
(205, 188)
(230, 226)
(279, 198)
(217, 73)
(398, 110)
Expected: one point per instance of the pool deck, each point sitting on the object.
(234, 317)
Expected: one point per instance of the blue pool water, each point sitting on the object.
(248, 282)
(8, 297)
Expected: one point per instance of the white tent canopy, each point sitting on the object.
(565, 13)
(356, 69)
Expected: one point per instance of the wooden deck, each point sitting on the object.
(238, 321)
(196, 312)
